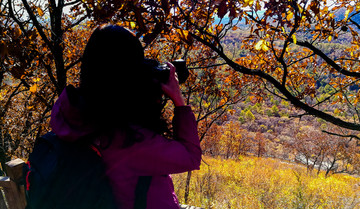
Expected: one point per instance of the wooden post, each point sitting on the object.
(3, 203)
(14, 192)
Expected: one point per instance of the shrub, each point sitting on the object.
(275, 110)
(249, 115)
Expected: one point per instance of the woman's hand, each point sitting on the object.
(172, 88)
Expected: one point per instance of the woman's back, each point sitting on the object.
(124, 113)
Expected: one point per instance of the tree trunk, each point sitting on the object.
(58, 49)
(187, 187)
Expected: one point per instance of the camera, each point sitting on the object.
(161, 72)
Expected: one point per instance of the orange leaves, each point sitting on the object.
(33, 88)
(289, 16)
(17, 32)
(184, 35)
(40, 11)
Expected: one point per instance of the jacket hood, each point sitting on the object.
(67, 120)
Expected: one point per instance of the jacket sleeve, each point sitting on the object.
(160, 156)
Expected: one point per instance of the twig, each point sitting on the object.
(345, 136)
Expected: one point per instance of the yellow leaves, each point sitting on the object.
(289, 16)
(248, 3)
(300, 9)
(210, 30)
(330, 38)
(294, 38)
(347, 12)
(33, 89)
(132, 25)
(263, 176)
(2, 94)
(36, 79)
(262, 45)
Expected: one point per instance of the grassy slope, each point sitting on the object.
(251, 182)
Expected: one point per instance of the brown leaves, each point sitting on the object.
(185, 36)
(3, 49)
(222, 8)
(17, 32)
(315, 7)
(18, 72)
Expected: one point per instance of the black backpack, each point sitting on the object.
(62, 175)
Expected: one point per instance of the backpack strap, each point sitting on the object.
(141, 190)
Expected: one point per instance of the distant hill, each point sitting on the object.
(227, 19)
(339, 15)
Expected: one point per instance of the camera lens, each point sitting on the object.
(181, 70)
(162, 72)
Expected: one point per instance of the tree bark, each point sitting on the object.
(187, 187)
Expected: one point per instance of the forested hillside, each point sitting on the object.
(271, 127)
(268, 138)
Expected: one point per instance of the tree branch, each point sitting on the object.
(72, 3)
(12, 15)
(37, 24)
(294, 100)
(327, 59)
(345, 136)
(72, 64)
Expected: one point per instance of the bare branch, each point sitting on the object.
(37, 24)
(12, 15)
(72, 3)
(341, 135)
(327, 59)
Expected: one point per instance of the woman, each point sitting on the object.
(119, 104)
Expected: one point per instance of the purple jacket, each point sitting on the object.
(155, 156)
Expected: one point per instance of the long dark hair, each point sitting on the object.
(119, 90)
